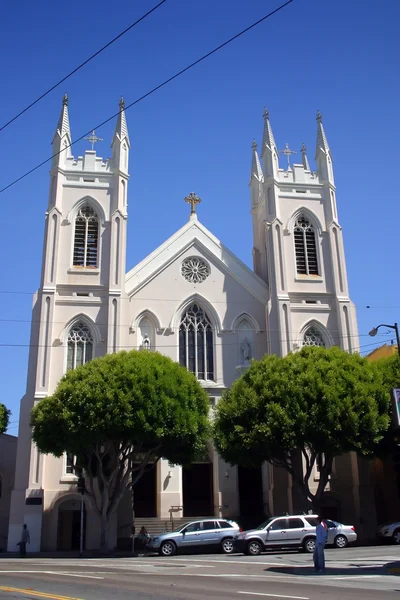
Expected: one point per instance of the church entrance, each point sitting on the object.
(69, 525)
(251, 501)
(197, 486)
(145, 494)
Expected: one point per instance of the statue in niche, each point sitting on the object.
(146, 345)
(246, 350)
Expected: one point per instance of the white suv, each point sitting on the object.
(289, 531)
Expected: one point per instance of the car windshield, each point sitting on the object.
(266, 523)
(178, 529)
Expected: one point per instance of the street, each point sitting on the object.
(351, 574)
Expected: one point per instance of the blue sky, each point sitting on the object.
(195, 134)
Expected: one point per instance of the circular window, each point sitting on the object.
(195, 269)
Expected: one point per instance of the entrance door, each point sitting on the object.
(250, 496)
(69, 526)
(197, 485)
(145, 495)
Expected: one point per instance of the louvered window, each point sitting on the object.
(86, 238)
(196, 346)
(80, 346)
(305, 247)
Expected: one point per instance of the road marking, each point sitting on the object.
(29, 592)
(274, 595)
(54, 573)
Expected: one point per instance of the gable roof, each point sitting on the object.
(194, 233)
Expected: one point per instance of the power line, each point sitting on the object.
(164, 346)
(152, 91)
(82, 65)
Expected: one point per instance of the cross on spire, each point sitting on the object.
(287, 152)
(192, 199)
(93, 139)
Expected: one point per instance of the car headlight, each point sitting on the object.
(155, 539)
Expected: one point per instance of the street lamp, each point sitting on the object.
(374, 331)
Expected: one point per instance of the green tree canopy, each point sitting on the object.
(4, 418)
(322, 402)
(119, 410)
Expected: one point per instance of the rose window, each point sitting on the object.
(195, 270)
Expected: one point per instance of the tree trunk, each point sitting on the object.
(104, 532)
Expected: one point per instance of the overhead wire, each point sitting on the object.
(152, 91)
(82, 64)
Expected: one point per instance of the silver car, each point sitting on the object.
(390, 532)
(292, 531)
(199, 535)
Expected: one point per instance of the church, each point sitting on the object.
(190, 299)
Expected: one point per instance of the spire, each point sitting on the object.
(268, 136)
(63, 122)
(322, 142)
(323, 156)
(304, 158)
(256, 169)
(121, 128)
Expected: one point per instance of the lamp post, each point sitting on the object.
(374, 331)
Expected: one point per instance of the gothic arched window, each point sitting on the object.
(313, 337)
(80, 346)
(305, 247)
(196, 346)
(86, 241)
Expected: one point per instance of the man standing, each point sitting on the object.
(321, 532)
(25, 538)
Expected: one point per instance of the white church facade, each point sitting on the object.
(190, 299)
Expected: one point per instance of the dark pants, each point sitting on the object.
(319, 558)
(22, 549)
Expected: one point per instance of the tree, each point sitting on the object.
(320, 402)
(130, 408)
(4, 418)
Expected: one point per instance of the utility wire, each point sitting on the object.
(81, 65)
(155, 89)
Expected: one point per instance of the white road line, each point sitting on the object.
(53, 573)
(275, 595)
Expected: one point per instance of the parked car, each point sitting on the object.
(199, 535)
(390, 532)
(292, 531)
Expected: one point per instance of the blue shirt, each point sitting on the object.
(321, 533)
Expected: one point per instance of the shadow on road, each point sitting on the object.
(392, 568)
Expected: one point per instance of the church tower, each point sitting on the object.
(77, 311)
(298, 248)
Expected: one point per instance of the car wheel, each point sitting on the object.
(227, 546)
(167, 548)
(396, 536)
(254, 548)
(309, 545)
(340, 541)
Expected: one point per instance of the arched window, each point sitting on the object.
(196, 347)
(305, 247)
(313, 337)
(86, 242)
(80, 346)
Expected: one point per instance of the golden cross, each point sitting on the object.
(192, 199)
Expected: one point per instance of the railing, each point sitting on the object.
(171, 516)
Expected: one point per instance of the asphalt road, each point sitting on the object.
(352, 574)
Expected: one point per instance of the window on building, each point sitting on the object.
(196, 346)
(69, 463)
(80, 346)
(86, 242)
(305, 247)
(313, 337)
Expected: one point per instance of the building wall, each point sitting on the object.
(8, 454)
